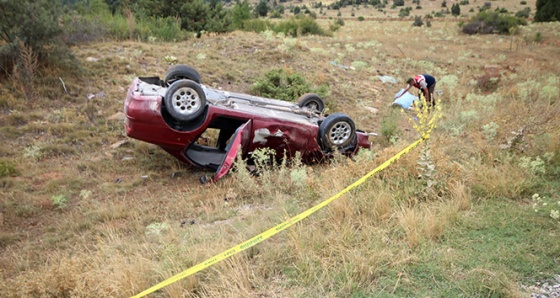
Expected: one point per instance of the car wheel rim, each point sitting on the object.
(186, 101)
(340, 133)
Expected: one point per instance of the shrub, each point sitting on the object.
(299, 26)
(285, 86)
(390, 127)
(488, 83)
(418, 21)
(35, 23)
(487, 22)
(404, 13)
(486, 6)
(81, 29)
(7, 169)
(256, 25)
(523, 13)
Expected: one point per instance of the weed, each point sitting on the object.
(7, 169)
(169, 59)
(59, 201)
(546, 206)
(490, 130)
(33, 152)
(156, 228)
(285, 85)
(535, 166)
(389, 126)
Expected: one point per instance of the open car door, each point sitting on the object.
(239, 138)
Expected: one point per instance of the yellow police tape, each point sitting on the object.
(273, 231)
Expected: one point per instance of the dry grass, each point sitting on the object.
(121, 232)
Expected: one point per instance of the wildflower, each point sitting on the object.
(555, 214)
(535, 196)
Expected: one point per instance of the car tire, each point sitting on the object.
(185, 100)
(337, 131)
(181, 72)
(311, 101)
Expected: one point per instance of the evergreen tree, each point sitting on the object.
(33, 22)
(456, 9)
(240, 12)
(262, 8)
(547, 11)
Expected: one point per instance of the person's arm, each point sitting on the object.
(425, 91)
(404, 91)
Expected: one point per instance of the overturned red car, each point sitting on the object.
(206, 127)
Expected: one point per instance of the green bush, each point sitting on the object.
(418, 21)
(7, 169)
(488, 22)
(294, 27)
(285, 86)
(256, 25)
(34, 22)
(524, 13)
(300, 26)
(404, 13)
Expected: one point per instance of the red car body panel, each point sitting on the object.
(278, 128)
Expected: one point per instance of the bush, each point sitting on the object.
(299, 26)
(524, 13)
(487, 22)
(285, 86)
(7, 169)
(35, 22)
(404, 12)
(418, 22)
(486, 6)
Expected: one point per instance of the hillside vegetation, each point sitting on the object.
(87, 212)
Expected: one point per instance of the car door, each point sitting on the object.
(238, 140)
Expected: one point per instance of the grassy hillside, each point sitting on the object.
(87, 212)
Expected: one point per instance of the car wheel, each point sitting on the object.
(185, 100)
(337, 131)
(180, 72)
(311, 101)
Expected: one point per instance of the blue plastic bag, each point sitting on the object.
(406, 100)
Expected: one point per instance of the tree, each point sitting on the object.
(220, 19)
(33, 22)
(240, 12)
(547, 11)
(262, 8)
(456, 9)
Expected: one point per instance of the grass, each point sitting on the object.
(133, 216)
